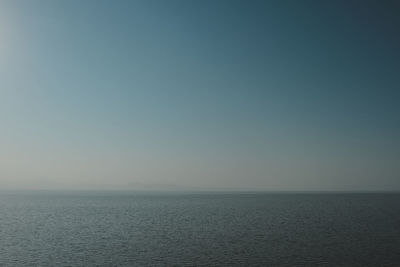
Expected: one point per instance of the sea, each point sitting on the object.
(199, 229)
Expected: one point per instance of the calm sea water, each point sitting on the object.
(114, 229)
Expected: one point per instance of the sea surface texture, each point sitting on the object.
(132, 229)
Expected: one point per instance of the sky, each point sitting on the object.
(199, 95)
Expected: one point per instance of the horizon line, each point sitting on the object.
(203, 191)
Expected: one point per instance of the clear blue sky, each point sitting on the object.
(242, 95)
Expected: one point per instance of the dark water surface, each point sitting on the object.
(131, 229)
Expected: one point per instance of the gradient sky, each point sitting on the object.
(208, 95)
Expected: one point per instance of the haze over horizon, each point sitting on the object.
(208, 95)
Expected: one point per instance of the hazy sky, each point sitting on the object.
(243, 95)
